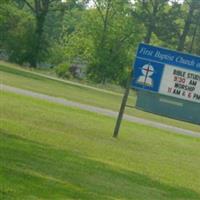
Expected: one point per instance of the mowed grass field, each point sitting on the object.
(49, 151)
(21, 78)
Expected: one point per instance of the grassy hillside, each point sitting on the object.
(49, 151)
(25, 79)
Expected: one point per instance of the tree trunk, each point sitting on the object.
(38, 41)
(147, 38)
(152, 22)
(194, 36)
(186, 29)
(40, 10)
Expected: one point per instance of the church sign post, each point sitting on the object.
(123, 105)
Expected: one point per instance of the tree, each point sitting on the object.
(195, 39)
(192, 6)
(148, 12)
(17, 27)
(114, 33)
(104, 37)
(39, 8)
(169, 24)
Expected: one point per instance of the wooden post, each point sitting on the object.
(123, 105)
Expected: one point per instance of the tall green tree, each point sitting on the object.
(16, 32)
(192, 6)
(40, 9)
(169, 25)
(149, 12)
(114, 33)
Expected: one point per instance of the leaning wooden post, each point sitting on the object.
(123, 105)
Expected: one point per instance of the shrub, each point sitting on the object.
(62, 70)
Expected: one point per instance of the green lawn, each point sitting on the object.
(48, 151)
(14, 76)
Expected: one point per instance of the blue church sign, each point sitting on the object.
(167, 72)
(167, 83)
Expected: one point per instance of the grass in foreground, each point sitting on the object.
(13, 76)
(49, 151)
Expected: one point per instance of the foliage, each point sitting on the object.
(56, 54)
(78, 46)
(62, 70)
(103, 34)
(149, 12)
(16, 33)
(169, 25)
(113, 35)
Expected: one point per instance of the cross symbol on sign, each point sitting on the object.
(145, 79)
(147, 70)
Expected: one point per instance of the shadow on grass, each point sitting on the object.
(33, 170)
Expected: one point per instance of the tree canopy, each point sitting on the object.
(101, 34)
